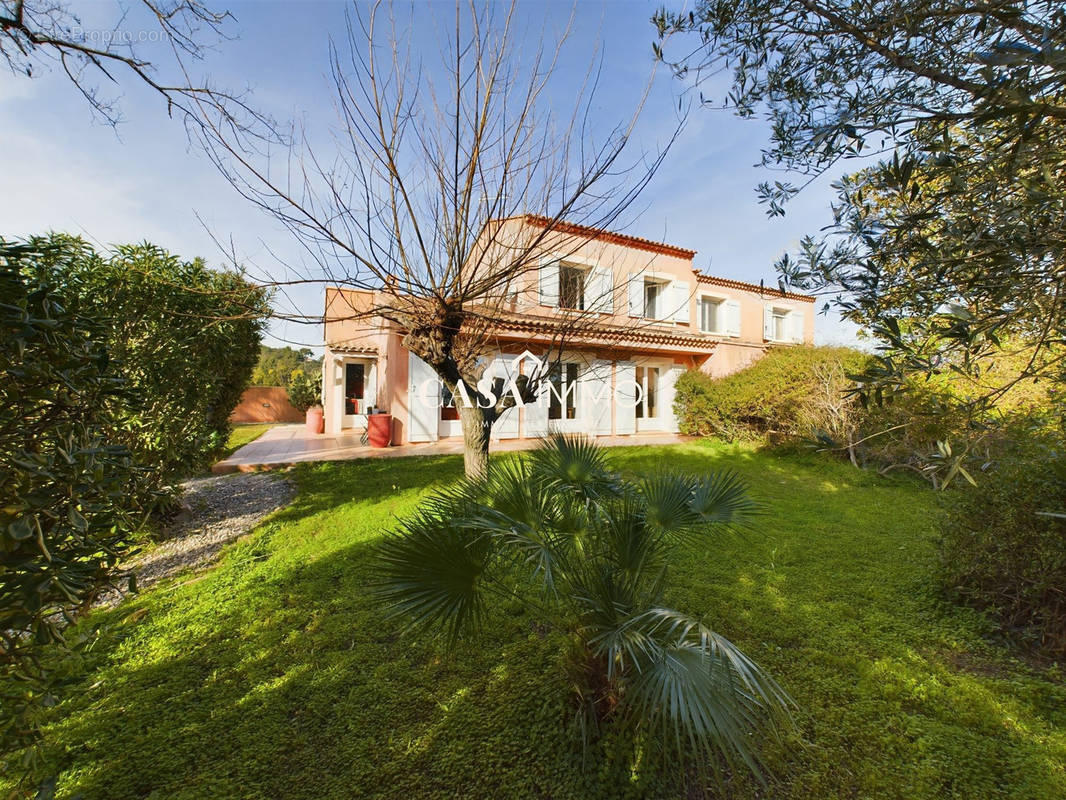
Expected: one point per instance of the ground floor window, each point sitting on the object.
(354, 385)
(562, 395)
(648, 380)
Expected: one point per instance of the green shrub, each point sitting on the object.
(1001, 550)
(184, 337)
(66, 487)
(772, 397)
(304, 390)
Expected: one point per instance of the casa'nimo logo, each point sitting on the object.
(591, 383)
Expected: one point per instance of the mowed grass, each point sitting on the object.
(276, 674)
(243, 434)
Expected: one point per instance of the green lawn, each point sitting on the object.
(244, 434)
(277, 676)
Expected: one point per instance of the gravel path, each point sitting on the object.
(218, 510)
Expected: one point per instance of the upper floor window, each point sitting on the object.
(571, 287)
(577, 287)
(711, 315)
(783, 324)
(653, 299)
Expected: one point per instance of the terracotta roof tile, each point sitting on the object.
(752, 287)
(609, 236)
(636, 335)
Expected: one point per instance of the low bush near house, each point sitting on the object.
(596, 547)
(773, 397)
(1003, 543)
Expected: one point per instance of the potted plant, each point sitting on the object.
(305, 394)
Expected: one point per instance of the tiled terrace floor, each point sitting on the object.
(291, 444)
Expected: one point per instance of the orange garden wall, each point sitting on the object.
(266, 404)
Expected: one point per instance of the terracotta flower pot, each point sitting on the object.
(315, 420)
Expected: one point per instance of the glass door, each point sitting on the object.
(648, 410)
(356, 396)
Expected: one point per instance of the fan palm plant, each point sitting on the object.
(596, 545)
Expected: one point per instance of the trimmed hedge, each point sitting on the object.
(184, 337)
(65, 486)
(118, 374)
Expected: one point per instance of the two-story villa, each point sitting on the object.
(653, 317)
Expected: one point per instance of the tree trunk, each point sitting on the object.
(477, 424)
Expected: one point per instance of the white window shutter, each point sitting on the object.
(423, 400)
(732, 317)
(594, 398)
(768, 323)
(625, 398)
(602, 294)
(549, 283)
(669, 393)
(796, 320)
(636, 295)
(681, 301)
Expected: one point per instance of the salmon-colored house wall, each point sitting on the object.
(651, 306)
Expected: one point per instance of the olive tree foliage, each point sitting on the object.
(404, 200)
(277, 364)
(949, 237)
(66, 485)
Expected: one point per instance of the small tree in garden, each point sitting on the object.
(304, 390)
(597, 546)
(405, 201)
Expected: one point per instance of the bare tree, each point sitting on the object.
(407, 201)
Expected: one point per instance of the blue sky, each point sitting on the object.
(65, 171)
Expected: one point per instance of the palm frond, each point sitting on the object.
(699, 687)
(723, 498)
(431, 573)
(604, 598)
(574, 464)
(626, 537)
(668, 496)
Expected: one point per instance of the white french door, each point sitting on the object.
(358, 379)
(648, 410)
